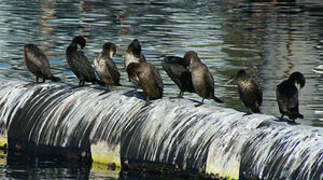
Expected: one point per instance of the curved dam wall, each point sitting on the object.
(111, 127)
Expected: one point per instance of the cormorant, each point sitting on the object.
(105, 67)
(250, 91)
(202, 79)
(37, 63)
(79, 63)
(133, 53)
(177, 69)
(287, 95)
(141, 73)
(148, 78)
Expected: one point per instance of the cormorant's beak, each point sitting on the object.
(299, 86)
(112, 53)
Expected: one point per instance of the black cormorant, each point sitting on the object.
(148, 78)
(133, 53)
(79, 63)
(202, 79)
(37, 63)
(287, 95)
(105, 67)
(250, 91)
(177, 69)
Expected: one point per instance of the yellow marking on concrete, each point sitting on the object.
(102, 170)
(105, 153)
(3, 157)
(4, 141)
(230, 173)
(227, 166)
(3, 144)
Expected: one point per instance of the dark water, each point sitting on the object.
(18, 166)
(270, 40)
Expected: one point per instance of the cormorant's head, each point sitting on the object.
(297, 78)
(29, 47)
(135, 48)
(190, 57)
(241, 74)
(109, 48)
(79, 40)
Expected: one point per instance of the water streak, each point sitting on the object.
(169, 131)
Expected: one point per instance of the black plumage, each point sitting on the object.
(141, 73)
(133, 53)
(202, 79)
(287, 95)
(37, 63)
(79, 63)
(177, 70)
(105, 67)
(148, 78)
(250, 91)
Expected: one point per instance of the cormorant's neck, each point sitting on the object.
(106, 52)
(73, 47)
(135, 50)
(136, 53)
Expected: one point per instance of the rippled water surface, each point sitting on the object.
(270, 40)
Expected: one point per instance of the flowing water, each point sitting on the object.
(57, 120)
(270, 40)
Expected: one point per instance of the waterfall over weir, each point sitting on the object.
(110, 126)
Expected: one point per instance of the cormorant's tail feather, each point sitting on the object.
(217, 99)
(101, 83)
(256, 110)
(117, 84)
(295, 115)
(300, 116)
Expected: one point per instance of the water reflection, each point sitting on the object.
(22, 166)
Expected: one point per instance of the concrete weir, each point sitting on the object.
(112, 126)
